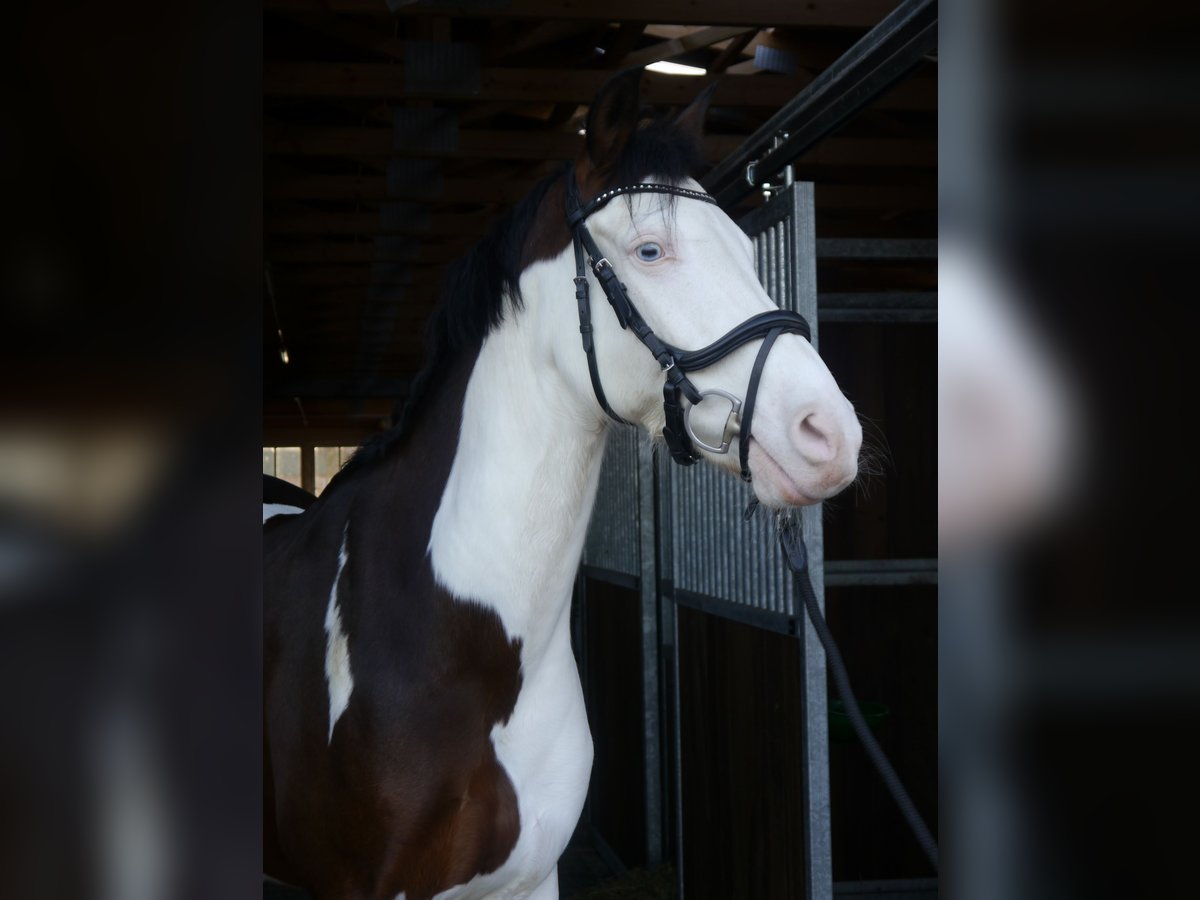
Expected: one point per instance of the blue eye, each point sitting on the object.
(649, 252)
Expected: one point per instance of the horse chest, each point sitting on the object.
(546, 749)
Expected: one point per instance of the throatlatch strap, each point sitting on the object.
(586, 332)
(748, 403)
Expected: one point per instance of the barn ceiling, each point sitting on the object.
(392, 140)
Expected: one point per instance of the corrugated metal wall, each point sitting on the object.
(613, 540)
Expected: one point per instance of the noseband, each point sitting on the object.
(675, 363)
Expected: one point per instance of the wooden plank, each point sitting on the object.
(303, 141)
(742, 720)
(374, 189)
(301, 280)
(760, 13)
(550, 32)
(695, 40)
(374, 40)
(386, 81)
(369, 223)
(321, 253)
(732, 53)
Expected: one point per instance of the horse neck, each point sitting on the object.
(510, 527)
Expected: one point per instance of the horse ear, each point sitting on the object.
(691, 120)
(613, 117)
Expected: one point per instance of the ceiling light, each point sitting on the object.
(670, 68)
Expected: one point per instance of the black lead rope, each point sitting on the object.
(794, 549)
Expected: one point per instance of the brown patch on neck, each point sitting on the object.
(549, 234)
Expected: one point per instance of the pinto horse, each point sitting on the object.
(425, 731)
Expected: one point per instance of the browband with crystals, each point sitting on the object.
(645, 187)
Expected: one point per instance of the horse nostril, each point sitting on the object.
(812, 438)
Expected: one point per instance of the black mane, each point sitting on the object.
(479, 288)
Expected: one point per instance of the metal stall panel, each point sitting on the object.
(714, 562)
(614, 534)
(620, 550)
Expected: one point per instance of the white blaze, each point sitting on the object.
(337, 650)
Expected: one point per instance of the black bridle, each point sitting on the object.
(675, 363)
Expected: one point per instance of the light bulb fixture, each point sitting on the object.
(670, 68)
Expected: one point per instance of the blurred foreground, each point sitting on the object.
(129, 407)
(1069, 648)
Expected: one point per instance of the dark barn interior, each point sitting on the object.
(392, 141)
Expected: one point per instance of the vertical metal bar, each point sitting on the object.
(668, 554)
(648, 585)
(816, 731)
(678, 748)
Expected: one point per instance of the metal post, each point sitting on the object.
(648, 587)
(818, 850)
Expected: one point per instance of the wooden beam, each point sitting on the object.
(475, 224)
(386, 81)
(321, 253)
(375, 40)
(695, 40)
(374, 189)
(330, 302)
(760, 13)
(302, 141)
(295, 281)
(550, 32)
(880, 197)
(621, 45)
(371, 190)
(732, 52)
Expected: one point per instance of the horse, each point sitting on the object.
(424, 726)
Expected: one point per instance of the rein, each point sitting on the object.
(681, 440)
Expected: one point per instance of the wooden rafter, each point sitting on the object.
(559, 145)
(319, 79)
(761, 13)
(694, 40)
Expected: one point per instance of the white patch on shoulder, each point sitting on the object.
(271, 510)
(337, 648)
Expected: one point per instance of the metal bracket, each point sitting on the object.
(768, 189)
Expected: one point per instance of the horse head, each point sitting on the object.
(690, 272)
